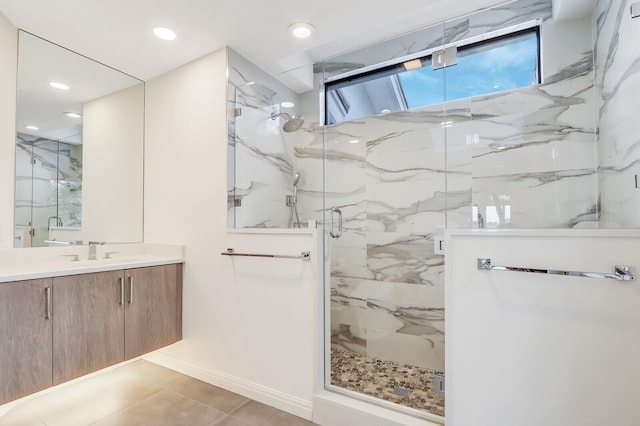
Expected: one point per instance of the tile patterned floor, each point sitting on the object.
(143, 393)
(402, 384)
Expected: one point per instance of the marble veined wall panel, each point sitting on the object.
(70, 184)
(387, 175)
(618, 81)
(537, 170)
(260, 154)
(50, 186)
(524, 158)
(389, 320)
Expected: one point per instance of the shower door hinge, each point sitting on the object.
(237, 112)
(33, 160)
(32, 232)
(446, 57)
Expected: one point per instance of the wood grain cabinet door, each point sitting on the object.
(154, 308)
(25, 338)
(88, 323)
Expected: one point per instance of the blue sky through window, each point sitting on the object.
(493, 65)
(502, 67)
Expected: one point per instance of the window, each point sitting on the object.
(502, 63)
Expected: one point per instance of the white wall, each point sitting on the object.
(8, 59)
(248, 323)
(531, 349)
(112, 181)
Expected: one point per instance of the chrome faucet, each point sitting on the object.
(93, 245)
(57, 221)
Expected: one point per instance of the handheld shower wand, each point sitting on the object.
(294, 203)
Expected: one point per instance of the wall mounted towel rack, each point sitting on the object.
(621, 273)
(305, 255)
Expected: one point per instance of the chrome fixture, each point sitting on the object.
(338, 234)
(292, 202)
(58, 222)
(93, 245)
(107, 254)
(305, 255)
(621, 273)
(293, 123)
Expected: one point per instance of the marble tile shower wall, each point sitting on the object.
(262, 153)
(618, 82)
(51, 186)
(526, 158)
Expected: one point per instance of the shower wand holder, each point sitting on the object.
(290, 200)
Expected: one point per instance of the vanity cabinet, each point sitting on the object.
(104, 318)
(153, 315)
(88, 324)
(56, 329)
(25, 338)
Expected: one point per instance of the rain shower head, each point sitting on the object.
(293, 123)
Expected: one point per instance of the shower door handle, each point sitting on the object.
(333, 213)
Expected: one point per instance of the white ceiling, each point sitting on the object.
(119, 32)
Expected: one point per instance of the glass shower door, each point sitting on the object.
(385, 196)
(36, 191)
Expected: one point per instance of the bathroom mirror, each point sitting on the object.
(79, 149)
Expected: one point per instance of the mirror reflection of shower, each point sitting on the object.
(292, 202)
(293, 123)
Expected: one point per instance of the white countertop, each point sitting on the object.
(26, 264)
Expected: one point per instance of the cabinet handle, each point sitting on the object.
(47, 295)
(130, 289)
(121, 279)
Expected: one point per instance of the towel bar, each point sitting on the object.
(621, 273)
(305, 255)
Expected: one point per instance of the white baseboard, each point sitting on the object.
(279, 400)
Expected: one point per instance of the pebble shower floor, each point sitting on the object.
(402, 384)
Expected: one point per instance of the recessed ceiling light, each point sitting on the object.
(164, 33)
(72, 114)
(354, 141)
(385, 111)
(57, 85)
(301, 30)
(287, 104)
(30, 127)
